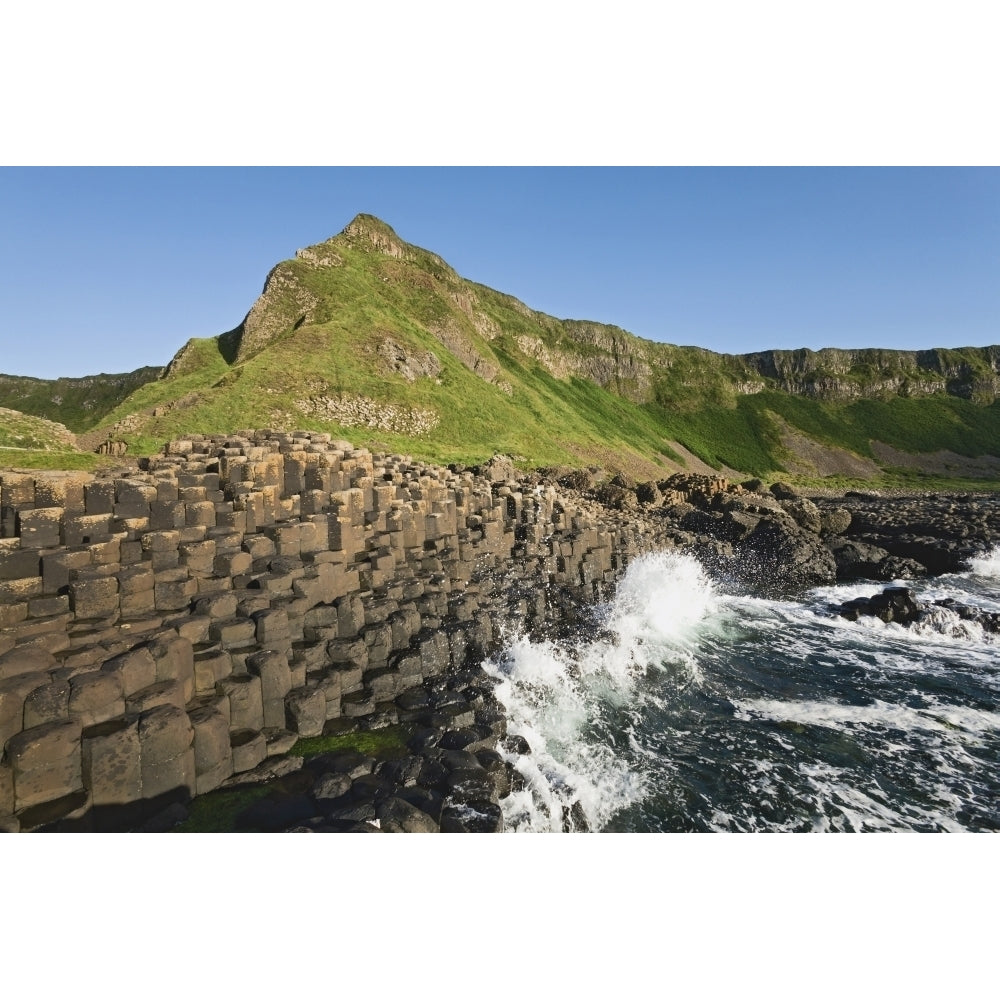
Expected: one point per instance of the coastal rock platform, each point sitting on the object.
(178, 627)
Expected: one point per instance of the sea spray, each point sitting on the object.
(565, 699)
(987, 565)
(684, 708)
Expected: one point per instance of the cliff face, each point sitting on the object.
(969, 372)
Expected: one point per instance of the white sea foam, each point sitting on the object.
(935, 717)
(668, 708)
(555, 693)
(987, 565)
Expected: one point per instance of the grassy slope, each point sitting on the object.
(542, 419)
(369, 298)
(79, 403)
(29, 442)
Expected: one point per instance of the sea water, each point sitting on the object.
(686, 708)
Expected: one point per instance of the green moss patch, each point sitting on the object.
(216, 812)
(373, 743)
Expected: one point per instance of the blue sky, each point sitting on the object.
(108, 269)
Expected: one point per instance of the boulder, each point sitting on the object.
(778, 556)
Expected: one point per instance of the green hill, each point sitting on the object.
(31, 442)
(381, 342)
(79, 403)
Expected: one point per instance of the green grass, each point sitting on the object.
(53, 461)
(742, 437)
(928, 424)
(30, 442)
(215, 387)
(216, 812)
(79, 403)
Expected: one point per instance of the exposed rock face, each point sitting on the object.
(321, 255)
(831, 373)
(373, 232)
(178, 627)
(894, 604)
(615, 360)
(462, 347)
(109, 447)
(928, 533)
(410, 364)
(168, 630)
(360, 411)
(284, 303)
(779, 555)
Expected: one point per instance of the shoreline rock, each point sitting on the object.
(175, 628)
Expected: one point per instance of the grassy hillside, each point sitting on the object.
(79, 403)
(30, 442)
(375, 340)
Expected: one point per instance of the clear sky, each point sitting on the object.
(108, 269)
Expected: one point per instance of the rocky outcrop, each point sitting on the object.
(170, 629)
(410, 364)
(902, 537)
(897, 605)
(284, 304)
(361, 411)
(831, 373)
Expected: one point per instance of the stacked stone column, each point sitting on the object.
(167, 628)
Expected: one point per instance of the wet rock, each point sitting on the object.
(165, 820)
(472, 817)
(276, 812)
(514, 743)
(402, 773)
(834, 520)
(358, 812)
(989, 621)
(898, 568)
(894, 604)
(466, 785)
(575, 819)
(458, 739)
(856, 560)
(396, 815)
(805, 514)
(424, 739)
(331, 786)
(371, 787)
(779, 555)
(426, 800)
(348, 762)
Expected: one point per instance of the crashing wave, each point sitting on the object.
(987, 565)
(556, 695)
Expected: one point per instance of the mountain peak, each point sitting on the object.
(372, 230)
(363, 224)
